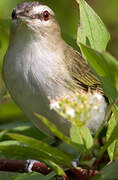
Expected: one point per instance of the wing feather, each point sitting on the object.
(81, 72)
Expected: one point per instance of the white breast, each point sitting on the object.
(29, 73)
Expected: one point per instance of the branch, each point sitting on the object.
(22, 166)
(32, 165)
(83, 174)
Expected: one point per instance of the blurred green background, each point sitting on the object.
(68, 16)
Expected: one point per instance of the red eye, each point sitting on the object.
(46, 15)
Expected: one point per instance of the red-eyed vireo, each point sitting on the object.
(40, 65)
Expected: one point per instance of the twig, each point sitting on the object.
(20, 166)
(83, 174)
(23, 166)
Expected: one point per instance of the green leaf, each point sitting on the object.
(87, 138)
(113, 147)
(58, 170)
(110, 172)
(92, 30)
(31, 176)
(60, 135)
(2, 133)
(75, 135)
(39, 145)
(26, 128)
(6, 175)
(82, 136)
(105, 67)
(113, 136)
(13, 149)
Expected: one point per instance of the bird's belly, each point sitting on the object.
(31, 98)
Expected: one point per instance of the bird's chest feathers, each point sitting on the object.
(33, 69)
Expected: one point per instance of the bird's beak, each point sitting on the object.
(19, 16)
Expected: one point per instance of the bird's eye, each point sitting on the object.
(27, 11)
(46, 15)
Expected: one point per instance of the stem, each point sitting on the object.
(108, 113)
(20, 166)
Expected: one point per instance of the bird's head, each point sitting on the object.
(36, 17)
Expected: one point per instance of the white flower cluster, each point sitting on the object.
(82, 108)
(70, 112)
(54, 105)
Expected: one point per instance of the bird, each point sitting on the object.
(39, 65)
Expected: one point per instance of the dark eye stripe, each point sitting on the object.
(35, 16)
